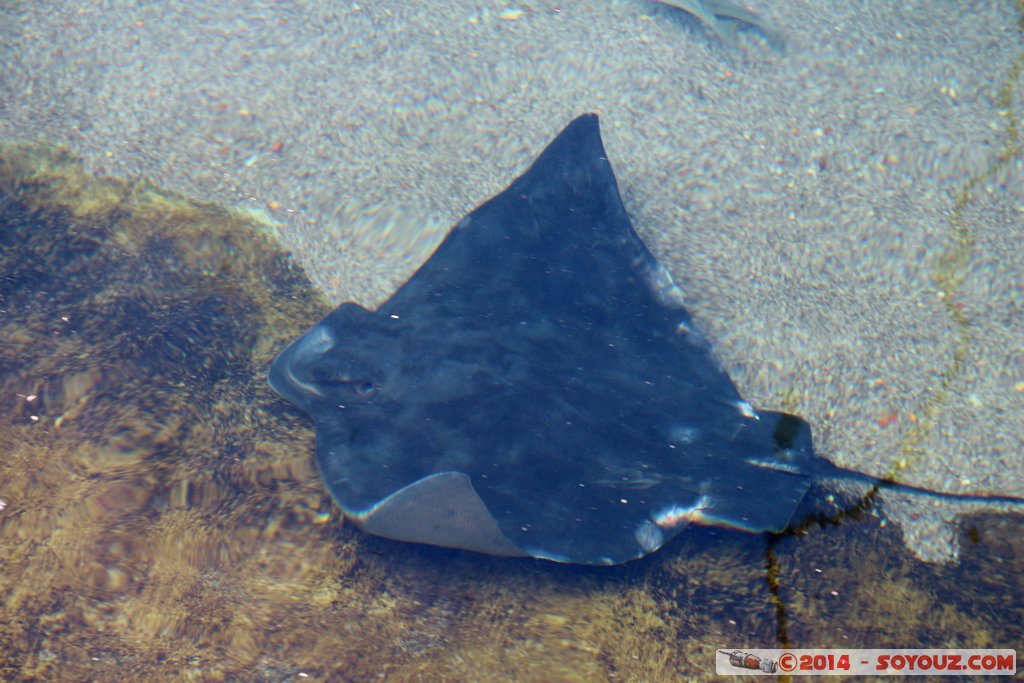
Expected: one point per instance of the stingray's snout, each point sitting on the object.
(289, 374)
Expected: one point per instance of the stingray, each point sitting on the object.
(723, 17)
(537, 388)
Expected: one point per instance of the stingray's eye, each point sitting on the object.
(365, 389)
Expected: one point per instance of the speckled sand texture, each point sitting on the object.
(804, 200)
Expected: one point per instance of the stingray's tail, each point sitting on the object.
(824, 469)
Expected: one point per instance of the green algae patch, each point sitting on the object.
(162, 518)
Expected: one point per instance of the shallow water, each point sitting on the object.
(162, 519)
(844, 216)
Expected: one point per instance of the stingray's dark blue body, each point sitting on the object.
(537, 388)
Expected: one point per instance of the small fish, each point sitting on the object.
(723, 16)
